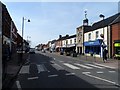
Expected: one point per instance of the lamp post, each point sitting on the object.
(28, 20)
(102, 35)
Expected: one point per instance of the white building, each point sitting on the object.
(93, 42)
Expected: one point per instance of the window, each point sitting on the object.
(75, 40)
(71, 41)
(97, 34)
(89, 36)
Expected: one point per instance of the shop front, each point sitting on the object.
(94, 47)
(117, 49)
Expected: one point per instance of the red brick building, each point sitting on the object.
(115, 27)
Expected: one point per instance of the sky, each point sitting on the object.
(48, 20)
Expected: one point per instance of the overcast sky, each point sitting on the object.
(50, 19)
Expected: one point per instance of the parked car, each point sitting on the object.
(43, 51)
(32, 51)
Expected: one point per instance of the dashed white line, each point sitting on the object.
(31, 78)
(71, 66)
(52, 75)
(100, 72)
(18, 85)
(61, 61)
(70, 74)
(111, 71)
(83, 66)
(85, 72)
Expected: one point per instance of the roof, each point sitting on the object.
(117, 20)
(104, 22)
(53, 41)
(63, 38)
(72, 36)
(87, 29)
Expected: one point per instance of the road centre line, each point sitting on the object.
(83, 66)
(52, 75)
(18, 85)
(112, 71)
(71, 66)
(95, 66)
(31, 78)
(100, 79)
(70, 74)
(105, 66)
(85, 72)
(100, 72)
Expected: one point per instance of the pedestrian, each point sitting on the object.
(105, 55)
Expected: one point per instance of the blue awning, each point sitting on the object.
(97, 42)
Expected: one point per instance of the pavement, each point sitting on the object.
(13, 67)
(110, 62)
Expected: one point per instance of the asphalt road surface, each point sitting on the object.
(49, 70)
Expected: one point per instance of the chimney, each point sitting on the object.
(60, 36)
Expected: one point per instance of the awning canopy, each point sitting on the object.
(96, 42)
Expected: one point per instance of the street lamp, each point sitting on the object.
(23, 19)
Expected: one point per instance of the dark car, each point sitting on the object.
(32, 51)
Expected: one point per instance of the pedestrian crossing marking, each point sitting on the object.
(24, 69)
(105, 66)
(41, 68)
(95, 66)
(71, 66)
(58, 67)
(83, 66)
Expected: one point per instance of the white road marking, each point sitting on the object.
(61, 61)
(31, 78)
(54, 58)
(101, 79)
(100, 72)
(18, 85)
(52, 75)
(71, 66)
(83, 66)
(95, 66)
(40, 68)
(70, 74)
(111, 71)
(105, 66)
(58, 67)
(24, 69)
(85, 72)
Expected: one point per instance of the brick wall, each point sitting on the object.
(115, 34)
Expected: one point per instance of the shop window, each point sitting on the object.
(87, 49)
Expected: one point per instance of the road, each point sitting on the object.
(49, 70)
